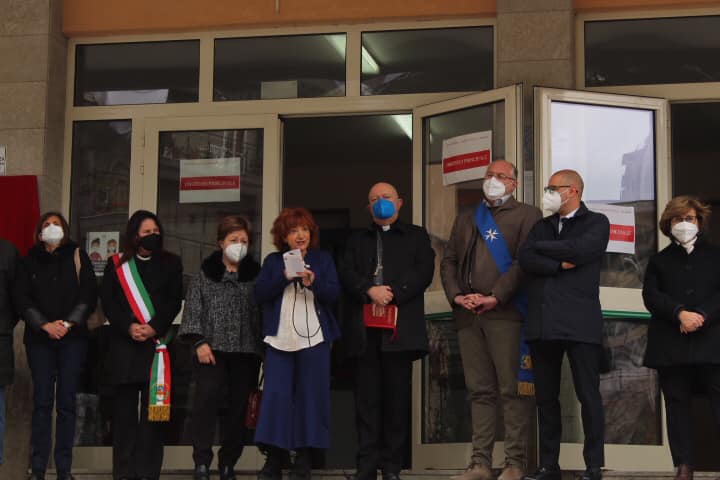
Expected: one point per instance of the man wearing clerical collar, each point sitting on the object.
(386, 267)
(482, 281)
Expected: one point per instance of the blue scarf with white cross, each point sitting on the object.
(495, 243)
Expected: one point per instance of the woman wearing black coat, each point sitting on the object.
(682, 292)
(137, 442)
(57, 294)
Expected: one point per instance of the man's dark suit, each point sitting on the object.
(565, 317)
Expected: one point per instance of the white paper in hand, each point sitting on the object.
(294, 263)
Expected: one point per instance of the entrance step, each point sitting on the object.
(405, 475)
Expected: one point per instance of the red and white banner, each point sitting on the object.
(622, 226)
(466, 157)
(210, 180)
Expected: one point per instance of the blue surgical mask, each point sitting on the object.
(383, 209)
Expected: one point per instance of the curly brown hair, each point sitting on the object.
(679, 206)
(289, 218)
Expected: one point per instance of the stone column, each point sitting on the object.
(535, 47)
(33, 55)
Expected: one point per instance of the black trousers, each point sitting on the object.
(382, 407)
(235, 374)
(137, 443)
(585, 361)
(677, 384)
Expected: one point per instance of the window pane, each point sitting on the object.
(194, 166)
(613, 149)
(695, 145)
(630, 392)
(433, 60)
(137, 73)
(99, 195)
(446, 409)
(100, 184)
(297, 66)
(648, 51)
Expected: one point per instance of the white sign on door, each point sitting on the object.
(622, 226)
(466, 157)
(206, 180)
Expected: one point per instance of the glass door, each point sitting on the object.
(474, 130)
(619, 145)
(191, 171)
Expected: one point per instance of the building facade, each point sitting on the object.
(121, 105)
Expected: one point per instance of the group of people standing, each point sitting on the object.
(524, 292)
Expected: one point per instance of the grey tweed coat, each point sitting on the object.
(220, 308)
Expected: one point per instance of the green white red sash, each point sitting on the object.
(141, 305)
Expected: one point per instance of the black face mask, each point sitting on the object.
(150, 242)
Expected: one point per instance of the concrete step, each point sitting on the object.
(405, 475)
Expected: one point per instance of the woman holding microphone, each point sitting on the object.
(299, 326)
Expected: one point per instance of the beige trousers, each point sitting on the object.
(490, 351)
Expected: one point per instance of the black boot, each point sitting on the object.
(202, 472)
(272, 470)
(35, 475)
(301, 465)
(227, 472)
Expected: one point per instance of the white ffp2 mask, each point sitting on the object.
(236, 252)
(493, 188)
(684, 231)
(52, 234)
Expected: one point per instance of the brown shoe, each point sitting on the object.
(475, 471)
(511, 472)
(684, 472)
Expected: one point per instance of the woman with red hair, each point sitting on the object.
(298, 325)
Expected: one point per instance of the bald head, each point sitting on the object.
(388, 192)
(569, 185)
(572, 178)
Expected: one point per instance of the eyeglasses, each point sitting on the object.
(686, 218)
(555, 188)
(500, 176)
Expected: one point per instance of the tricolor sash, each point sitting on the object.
(495, 243)
(141, 305)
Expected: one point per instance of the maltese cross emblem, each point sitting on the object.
(491, 234)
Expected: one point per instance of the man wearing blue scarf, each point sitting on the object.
(483, 283)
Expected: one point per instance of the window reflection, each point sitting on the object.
(652, 50)
(137, 73)
(427, 60)
(613, 149)
(630, 392)
(202, 177)
(297, 66)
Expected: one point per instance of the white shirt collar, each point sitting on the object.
(571, 214)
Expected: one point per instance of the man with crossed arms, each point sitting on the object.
(481, 280)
